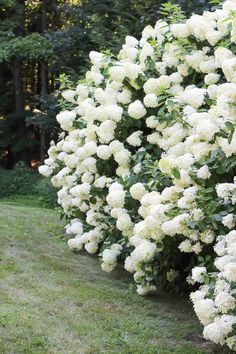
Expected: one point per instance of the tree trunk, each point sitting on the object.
(44, 83)
(1, 75)
(32, 79)
(18, 85)
(43, 79)
(23, 154)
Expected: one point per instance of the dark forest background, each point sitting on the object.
(40, 40)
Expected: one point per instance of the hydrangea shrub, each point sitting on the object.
(145, 163)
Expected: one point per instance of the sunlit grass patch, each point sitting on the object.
(56, 301)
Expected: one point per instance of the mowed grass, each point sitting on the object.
(56, 301)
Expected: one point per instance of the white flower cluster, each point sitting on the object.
(215, 305)
(145, 154)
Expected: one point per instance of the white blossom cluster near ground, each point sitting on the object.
(145, 163)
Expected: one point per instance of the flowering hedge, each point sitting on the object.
(146, 161)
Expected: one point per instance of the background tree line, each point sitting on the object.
(42, 39)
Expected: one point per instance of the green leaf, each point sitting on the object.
(230, 125)
(176, 173)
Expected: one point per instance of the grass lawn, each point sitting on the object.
(56, 301)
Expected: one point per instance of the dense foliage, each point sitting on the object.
(23, 181)
(145, 164)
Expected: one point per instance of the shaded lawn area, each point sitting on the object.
(56, 301)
